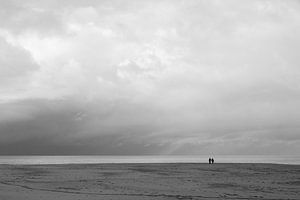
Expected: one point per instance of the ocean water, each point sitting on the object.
(28, 160)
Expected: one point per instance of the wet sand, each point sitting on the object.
(149, 181)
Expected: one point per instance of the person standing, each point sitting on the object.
(209, 160)
(212, 160)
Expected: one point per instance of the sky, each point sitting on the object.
(160, 77)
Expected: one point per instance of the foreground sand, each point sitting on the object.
(150, 181)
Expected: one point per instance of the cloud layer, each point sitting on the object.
(149, 77)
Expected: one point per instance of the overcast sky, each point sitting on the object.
(149, 77)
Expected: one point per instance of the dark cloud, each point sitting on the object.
(70, 127)
(60, 127)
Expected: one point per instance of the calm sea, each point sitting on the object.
(147, 159)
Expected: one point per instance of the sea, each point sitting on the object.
(86, 159)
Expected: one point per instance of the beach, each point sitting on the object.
(150, 181)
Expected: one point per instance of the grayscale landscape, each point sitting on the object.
(149, 99)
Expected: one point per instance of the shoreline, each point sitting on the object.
(147, 159)
(145, 163)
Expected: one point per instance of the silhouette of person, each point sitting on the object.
(212, 161)
(209, 160)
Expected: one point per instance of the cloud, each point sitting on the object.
(17, 65)
(18, 16)
(158, 77)
(15, 61)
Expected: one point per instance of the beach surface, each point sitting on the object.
(149, 181)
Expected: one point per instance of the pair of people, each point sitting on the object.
(211, 161)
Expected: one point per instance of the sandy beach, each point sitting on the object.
(150, 181)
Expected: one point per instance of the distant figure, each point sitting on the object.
(209, 160)
(212, 161)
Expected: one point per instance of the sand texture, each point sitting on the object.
(149, 181)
